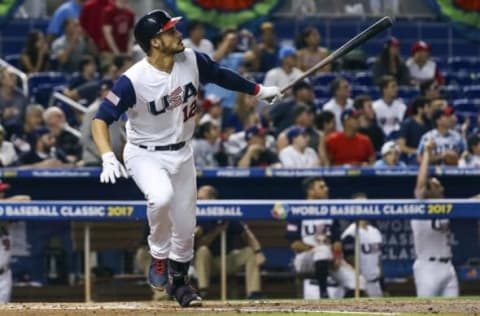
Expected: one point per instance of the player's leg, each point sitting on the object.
(5, 286)
(322, 257)
(451, 286)
(345, 276)
(303, 262)
(426, 284)
(183, 217)
(374, 289)
(203, 267)
(156, 185)
(245, 257)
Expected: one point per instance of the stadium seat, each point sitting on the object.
(358, 90)
(407, 92)
(364, 78)
(13, 59)
(463, 106)
(463, 63)
(47, 78)
(451, 92)
(323, 79)
(472, 92)
(321, 91)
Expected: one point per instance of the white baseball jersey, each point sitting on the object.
(292, 158)
(6, 274)
(308, 230)
(278, 77)
(471, 161)
(452, 140)
(389, 116)
(425, 73)
(431, 238)
(336, 109)
(371, 251)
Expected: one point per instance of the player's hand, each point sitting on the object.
(111, 169)
(260, 258)
(268, 92)
(430, 145)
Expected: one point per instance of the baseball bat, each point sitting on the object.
(358, 40)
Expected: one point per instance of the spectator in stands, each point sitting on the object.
(471, 158)
(325, 122)
(267, 50)
(340, 101)
(117, 26)
(244, 113)
(91, 19)
(207, 147)
(212, 110)
(349, 147)
(430, 89)
(283, 114)
(35, 56)
(390, 156)
(412, 129)
(8, 155)
(67, 139)
(256, 154)
(22, 134)
(370, 252)
(309, 51)
(69, 9)
(69, 48)
(368, 121)
(390, 63)
(12, 100)
(448, 143)
(421, 67)
(44, 154)
(90, 156)
(304, 119)
(227, 57)
(298, 154)
(196, 38)
(388, 109)
(286, 72)
(207, 256)
(317, 245)
(87, 71)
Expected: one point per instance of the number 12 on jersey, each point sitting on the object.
(189, 111)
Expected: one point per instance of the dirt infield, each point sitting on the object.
(369, 306)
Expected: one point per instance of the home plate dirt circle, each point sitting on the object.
(384, 306)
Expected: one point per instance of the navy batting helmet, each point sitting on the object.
(152, 23)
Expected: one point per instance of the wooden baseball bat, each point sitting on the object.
(359, 39)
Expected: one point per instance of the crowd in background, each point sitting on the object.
(318, 123)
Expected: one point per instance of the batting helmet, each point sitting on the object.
(152, 23)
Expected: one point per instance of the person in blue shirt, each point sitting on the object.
(390, 156)
(69, 9)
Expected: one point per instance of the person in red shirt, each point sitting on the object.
(91, 21)
(117, 27)
(348, 147)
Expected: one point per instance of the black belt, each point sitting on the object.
(3, 270)
(442, 260)
(176, 146)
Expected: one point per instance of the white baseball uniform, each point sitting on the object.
(370, 256)
(161, 108)
(5, 272)
(312, 232)
(433, 270)
(389, 116)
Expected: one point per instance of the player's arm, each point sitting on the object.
(422, 176)
(118, 100)
(295, 237)
(211, 72)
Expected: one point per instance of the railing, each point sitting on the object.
(23, 76)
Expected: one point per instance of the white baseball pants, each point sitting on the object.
(434, 278)
(168, 180)
(5, 286)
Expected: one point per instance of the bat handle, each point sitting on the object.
(275, 100)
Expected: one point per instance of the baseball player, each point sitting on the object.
(159, 95)
(317, 245)
(5, 272)
(431, 240)
(370, 254)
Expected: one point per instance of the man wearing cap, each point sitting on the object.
(448, 143)
(390, 63)
(213, 111)
(298, 154)
(421, 67)
(390, 156)
(159, 95)
(350, 147)
(286, 72)
(256, 154)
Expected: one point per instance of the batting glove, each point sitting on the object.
(268, 92)
(111, 168)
